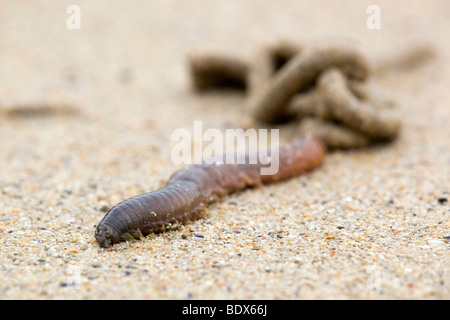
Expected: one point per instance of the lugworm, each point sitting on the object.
(188, 190)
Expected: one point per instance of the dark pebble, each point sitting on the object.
(442, 200)
(67, 284)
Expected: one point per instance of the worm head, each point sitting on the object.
(105, 236)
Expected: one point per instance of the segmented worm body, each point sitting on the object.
(188, 190)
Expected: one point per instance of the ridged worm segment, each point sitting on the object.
(188, 190)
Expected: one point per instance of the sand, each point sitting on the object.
(86, 120)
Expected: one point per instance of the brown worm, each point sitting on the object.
(188, 190)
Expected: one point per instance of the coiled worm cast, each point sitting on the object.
(210, 71)
(300, 73)
(344, 106)
(188, 190)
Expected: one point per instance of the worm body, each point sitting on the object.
(188, 190)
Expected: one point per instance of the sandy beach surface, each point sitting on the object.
(86, 117)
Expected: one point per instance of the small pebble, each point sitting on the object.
(67, 284)
(436, 242)
(442, 200)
